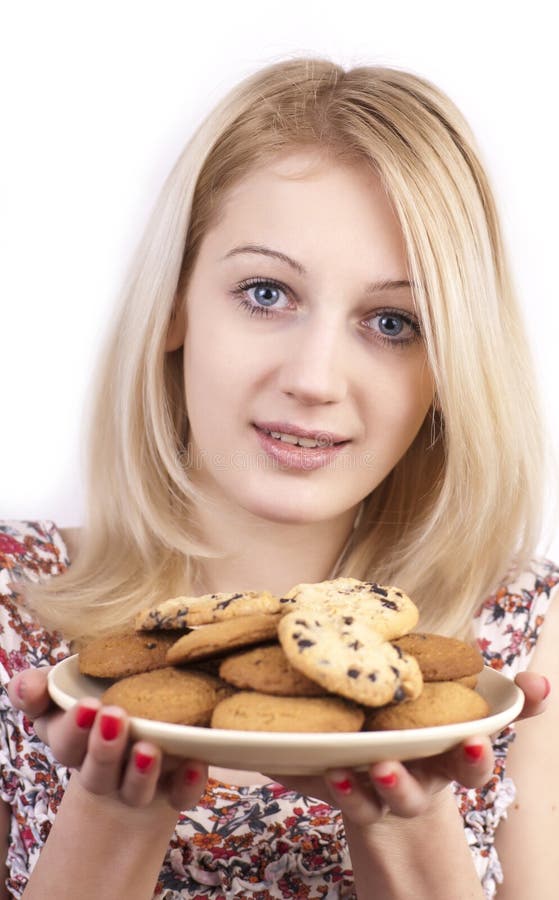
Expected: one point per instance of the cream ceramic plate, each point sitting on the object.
(298, 754)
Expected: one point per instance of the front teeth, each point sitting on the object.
(292, 439)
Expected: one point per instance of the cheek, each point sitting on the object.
(399, 403)
(216, 386)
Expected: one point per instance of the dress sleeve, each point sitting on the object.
(32, 783)
(507, 628)
(509, 622)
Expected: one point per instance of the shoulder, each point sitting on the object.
(509, 622)
(29, 552)
(539, 577)
(32, 548)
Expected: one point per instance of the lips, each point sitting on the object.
(324, 437)
(300, 458)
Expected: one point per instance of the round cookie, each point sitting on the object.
(215, 639)
(387, 608)
(267, 669)
(346, 655)
(440, 703)
(180, 696)
(468, 681)
(119, 655)
(441, 658)
(252, 711)
(181, 612)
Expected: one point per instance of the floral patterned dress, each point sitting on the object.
(259, 842)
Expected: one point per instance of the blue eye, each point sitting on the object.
(394, 328)
(269, 298)
(391, 325)
(264, 294)
(266, 298)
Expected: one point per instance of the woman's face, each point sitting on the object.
(300, 322)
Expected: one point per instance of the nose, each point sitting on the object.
(314, 362)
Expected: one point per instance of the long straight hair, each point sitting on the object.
(462, 508)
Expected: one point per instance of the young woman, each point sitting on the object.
(325, 264)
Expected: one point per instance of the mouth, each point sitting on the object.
(296, 436)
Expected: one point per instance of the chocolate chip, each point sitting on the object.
(389, 604)
(348, 620)
(225, 603)
(372, 676)
(151, 646)
(375, 589)
(395, 670)
(356, 645)
(353, 673)
(399, 695)
(302, 644)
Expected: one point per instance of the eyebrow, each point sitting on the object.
(383, 284)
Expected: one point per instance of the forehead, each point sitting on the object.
(309, 200)
(302, 167)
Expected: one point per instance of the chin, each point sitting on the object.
(288, 511)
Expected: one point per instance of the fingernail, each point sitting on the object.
(110, 727)
(191, 776)
(344, 785)
(547, 687)
(473, 752)
(387, 781)
(85, 716)
(143, 762)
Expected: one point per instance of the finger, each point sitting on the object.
(28, 691)
(186, 784)
(470, 763)
(356, 798)
(67, 733)
(536, 690)
(101, 771)
(399, 790)
(141, 775)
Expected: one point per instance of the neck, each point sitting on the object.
(257, 554)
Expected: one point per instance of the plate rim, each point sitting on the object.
(319, 739)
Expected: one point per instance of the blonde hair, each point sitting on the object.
(463, 506)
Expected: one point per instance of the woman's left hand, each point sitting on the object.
(407, 790)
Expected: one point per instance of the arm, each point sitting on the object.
(403, 827)
(528, 839)
(424, 857)
(110, 850)
(119, 811)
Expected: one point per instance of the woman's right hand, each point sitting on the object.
(94, 740)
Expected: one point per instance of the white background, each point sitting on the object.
(99, 98)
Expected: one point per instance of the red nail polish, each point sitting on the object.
(473, 752)
(85, 716)
(344, 786)
(110, 727)
(387, 781)
(547, 687)
(143, 762)
(191, 776)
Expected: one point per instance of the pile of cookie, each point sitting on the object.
(339, 655)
